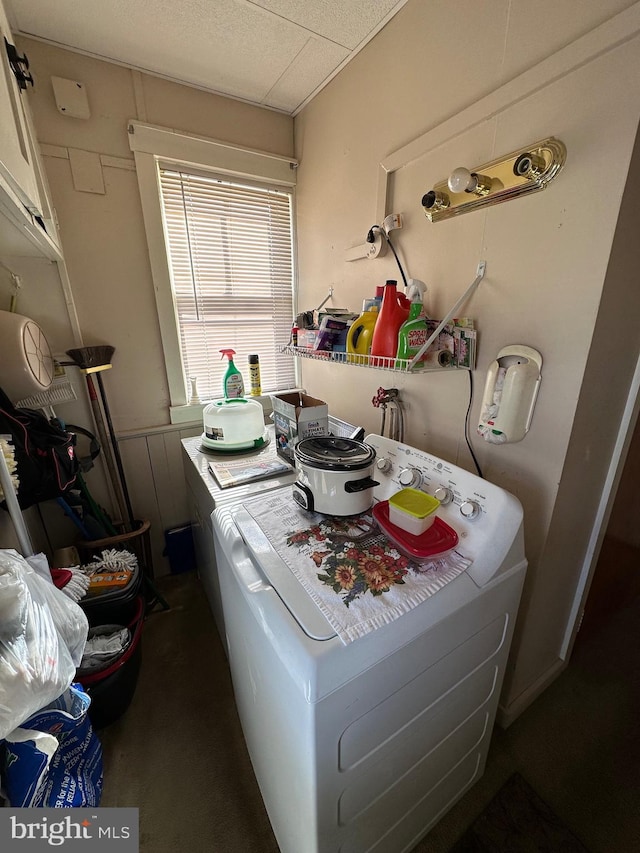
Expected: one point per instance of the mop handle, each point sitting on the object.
(116, 451)
(108, 457)
(13, 506)
(68, 511)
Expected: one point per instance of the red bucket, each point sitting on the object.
(112, 688)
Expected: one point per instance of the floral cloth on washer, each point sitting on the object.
(354, 574)
(353, 555)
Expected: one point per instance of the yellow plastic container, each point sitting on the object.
(413, 510)
(360, 335)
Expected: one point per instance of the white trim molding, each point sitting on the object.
(151, 146)
(180, 147)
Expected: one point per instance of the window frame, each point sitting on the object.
(155, 147)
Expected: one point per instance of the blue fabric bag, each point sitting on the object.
(36, 772)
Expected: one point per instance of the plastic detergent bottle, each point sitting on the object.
(393, 312)
(360, 334)
(374, 300)
(413, 332)
(232, 384)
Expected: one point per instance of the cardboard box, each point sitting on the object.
(297, 416)
(307, 338)
(329, 333)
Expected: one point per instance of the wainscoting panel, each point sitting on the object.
(153, 467)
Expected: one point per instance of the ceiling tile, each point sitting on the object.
(310, 69)
(346, 23)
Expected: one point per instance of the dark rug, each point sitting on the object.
(518, 821)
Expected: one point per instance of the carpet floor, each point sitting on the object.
(519, 821)
(179, 755)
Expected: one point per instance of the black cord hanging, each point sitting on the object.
(44, 528)
(371, 239)
(466, 427)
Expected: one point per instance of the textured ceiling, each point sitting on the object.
(275, 53)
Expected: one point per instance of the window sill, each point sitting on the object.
(192, 413)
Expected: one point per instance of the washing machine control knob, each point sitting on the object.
(410, 478)
(469, 509)
(384, 465)
(444, 495)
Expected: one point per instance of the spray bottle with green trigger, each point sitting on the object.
(233, 384)
(413, 332)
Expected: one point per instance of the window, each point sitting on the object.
(221, 245)
(229, 247)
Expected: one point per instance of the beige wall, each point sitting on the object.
(547, 255)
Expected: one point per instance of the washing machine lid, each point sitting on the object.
(289, 589)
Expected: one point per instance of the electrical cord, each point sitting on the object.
(466, 426)
(44, 528)
(371, 239)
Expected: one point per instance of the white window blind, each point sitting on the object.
(229, 245)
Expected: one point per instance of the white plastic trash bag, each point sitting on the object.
(42, 637)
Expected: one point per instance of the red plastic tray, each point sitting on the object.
(438, 539)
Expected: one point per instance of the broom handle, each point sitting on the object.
(97, 416)
(116, 450)
(95, 509)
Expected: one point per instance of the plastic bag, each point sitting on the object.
(42, 637)
(69, 618)
(55, 759)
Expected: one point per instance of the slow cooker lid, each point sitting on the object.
(334, 453)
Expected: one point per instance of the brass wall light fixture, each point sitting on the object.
(522, 171)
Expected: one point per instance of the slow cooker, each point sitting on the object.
(334, 475)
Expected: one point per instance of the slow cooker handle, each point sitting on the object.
(360, 485)
(302, 495)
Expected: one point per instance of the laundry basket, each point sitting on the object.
(112, 687)
(137, 541)
(117, 606)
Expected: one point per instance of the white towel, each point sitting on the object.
(354, 574)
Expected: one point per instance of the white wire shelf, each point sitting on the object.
(395, 365)
(457, 353)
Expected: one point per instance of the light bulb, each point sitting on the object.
(461, 180)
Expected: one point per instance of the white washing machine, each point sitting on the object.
(204, 494)
(364, 746)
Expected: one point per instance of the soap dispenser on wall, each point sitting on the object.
(512, 385)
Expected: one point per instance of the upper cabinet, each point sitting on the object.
(27, 225)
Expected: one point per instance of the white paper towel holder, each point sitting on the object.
(511, 390)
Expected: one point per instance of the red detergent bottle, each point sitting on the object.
(393, 313)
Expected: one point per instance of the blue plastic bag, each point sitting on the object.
(36, 772)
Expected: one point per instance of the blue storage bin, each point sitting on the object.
(180, 550)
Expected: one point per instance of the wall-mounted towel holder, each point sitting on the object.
(510, 393)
